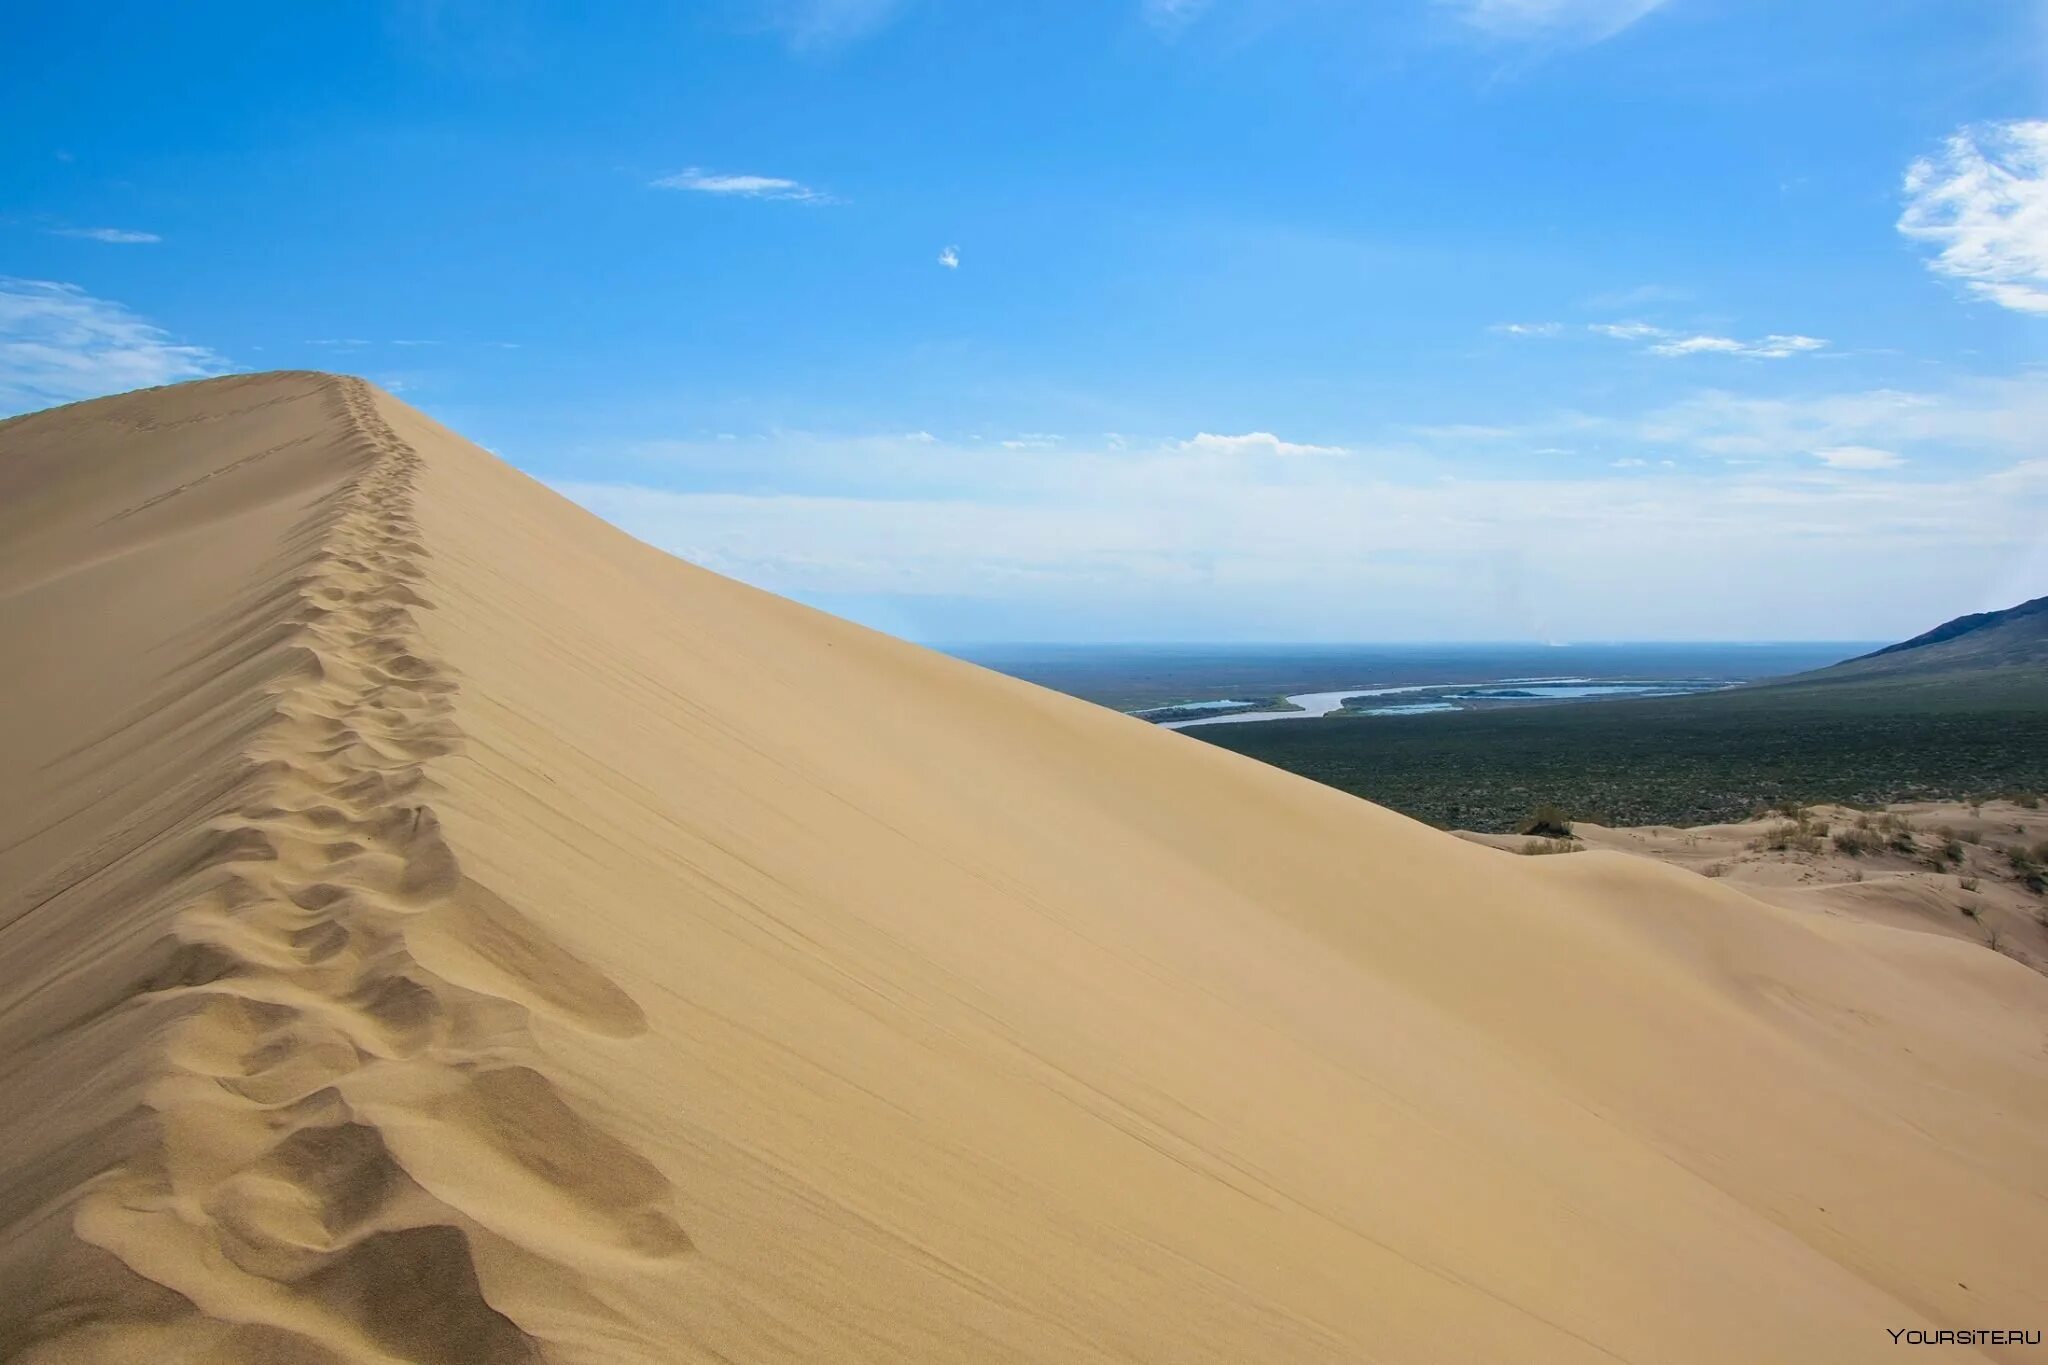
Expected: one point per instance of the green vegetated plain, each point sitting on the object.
(1684, 760)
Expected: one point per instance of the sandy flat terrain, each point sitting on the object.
(438, 928)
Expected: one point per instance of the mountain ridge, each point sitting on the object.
(1980, 642)
(1965, 625)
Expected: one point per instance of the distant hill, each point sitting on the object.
(1982, 642)
(2026, 624)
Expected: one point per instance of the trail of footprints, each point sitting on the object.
(340, 1129)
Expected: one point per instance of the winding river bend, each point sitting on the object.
(1448, 696)
(1313, 705)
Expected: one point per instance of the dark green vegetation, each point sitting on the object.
(2030, 866)
(1163, 715)
(1683, 760)
(1548, 821)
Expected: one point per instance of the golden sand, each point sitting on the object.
(438, 928)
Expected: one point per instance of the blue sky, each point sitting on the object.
(1130, 320)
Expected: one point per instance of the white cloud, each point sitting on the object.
(59, 344)
(950, 258)
(823, 26)
(1774, 347)
(1858, 457)
(1666, 342)
(1340, 548)
(1172, 13)
(1253, 443)
(2006, 415)
(120, 236)
(1982, 204)
(1628, 331)
(1527, 329)
(701, 181)
(1197, 538)
(1586, 21)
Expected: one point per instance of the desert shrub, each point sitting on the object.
(1856, 842)
(1537, 847)
(1788, 836)
(1714, 870)
(1547, 821)
(2026, 800)
(1949, 851)
(1967, 883)
(2030, 866)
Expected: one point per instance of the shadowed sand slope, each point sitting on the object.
(438, 928)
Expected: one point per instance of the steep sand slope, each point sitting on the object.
(438, 928)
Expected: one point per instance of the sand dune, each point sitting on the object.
(438, 928)
(1955, 868)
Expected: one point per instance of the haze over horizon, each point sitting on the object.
(1155, 320)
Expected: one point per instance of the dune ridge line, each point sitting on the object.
(273, 1195)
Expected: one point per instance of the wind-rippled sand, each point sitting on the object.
(438, 928)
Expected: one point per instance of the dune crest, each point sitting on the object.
(263, 1185)
(440, 929)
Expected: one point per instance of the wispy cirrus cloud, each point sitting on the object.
(699, 181)
(950, 258)
(1627, 331)
(117, 236)
(1776, 346)
(2005, 415)
(1982, 205)
(1171, 14)
(824, 26)
(59, 344)
(1668, 341)
(1580, 21)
